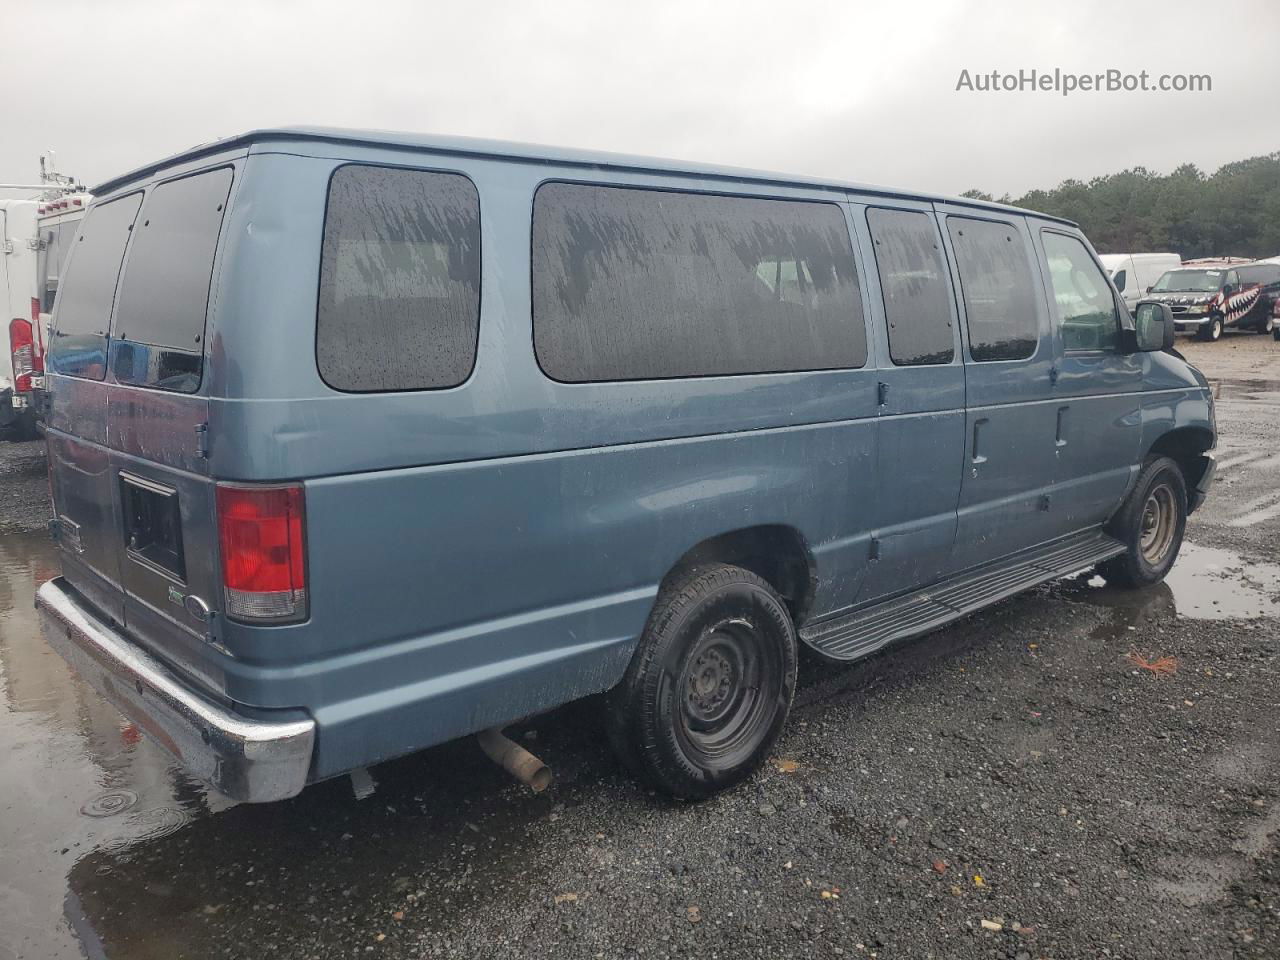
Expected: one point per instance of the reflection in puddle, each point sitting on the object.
(73, 777)
(1204, 584)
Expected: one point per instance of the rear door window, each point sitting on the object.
(164, 294)
(999, 291)
(917, 300)
(399, 301)
(634, 284)
(78, 346)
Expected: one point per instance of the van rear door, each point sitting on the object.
(127, 423)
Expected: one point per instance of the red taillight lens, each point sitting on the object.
(23, 353)
(264, 560)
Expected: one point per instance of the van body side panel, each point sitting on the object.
(487, 551)
(1175, 395)
(529, 579)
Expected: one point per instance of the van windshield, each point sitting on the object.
(1190, 281)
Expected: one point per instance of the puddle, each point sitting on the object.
(1266, 391)
(108, 849)
(1204, 584)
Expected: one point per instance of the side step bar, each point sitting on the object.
(866, 630)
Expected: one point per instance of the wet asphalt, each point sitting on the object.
(1013, 786)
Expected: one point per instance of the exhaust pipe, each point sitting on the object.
(515, 759)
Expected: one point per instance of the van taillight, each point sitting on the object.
(23, 353)
(264, 560)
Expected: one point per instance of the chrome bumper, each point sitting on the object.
(248, 760)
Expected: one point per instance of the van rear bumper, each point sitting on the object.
(250, 760)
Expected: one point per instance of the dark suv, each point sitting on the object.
(1207, 300)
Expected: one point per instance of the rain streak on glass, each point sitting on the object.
(913, 283)
(633, 284)
(999, 294)
(399, 304)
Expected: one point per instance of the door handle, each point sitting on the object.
(975, 452)
(1060, 440)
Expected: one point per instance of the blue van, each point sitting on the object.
(360, 442)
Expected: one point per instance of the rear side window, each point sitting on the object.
(1087, 315)
(1121, 278)
(158, 327)
(635, 284)
(999, 293)
(913, 283)
(78, 346)
(399, 301)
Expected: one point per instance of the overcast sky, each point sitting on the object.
(857, 91)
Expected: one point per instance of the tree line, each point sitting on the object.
(1235, 211)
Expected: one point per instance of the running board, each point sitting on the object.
(866, 630)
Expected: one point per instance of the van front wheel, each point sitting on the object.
(1150, 524)
(710, 685)
(1210, 331)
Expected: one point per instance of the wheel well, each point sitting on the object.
(1184, 446)
(774, 552)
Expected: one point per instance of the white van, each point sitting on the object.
(35, 237)
(20, 355)
(1134, 273)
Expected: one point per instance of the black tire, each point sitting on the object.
(1161, 489)
(1210, 331)
(709, 686)
(1267, 325)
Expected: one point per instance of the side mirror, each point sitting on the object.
(1228, 289)
(1153, 326)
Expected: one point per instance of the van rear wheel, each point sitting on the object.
(1151, 524)
(710, 685)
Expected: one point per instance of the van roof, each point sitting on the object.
(432, 143)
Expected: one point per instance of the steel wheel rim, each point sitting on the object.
(1215, 329)
(725, 687)
(1159, 524)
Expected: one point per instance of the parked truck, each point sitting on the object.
(36, 233)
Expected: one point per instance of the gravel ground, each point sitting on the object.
(1011, 787)
(24, 486)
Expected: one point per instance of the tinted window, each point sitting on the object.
(999, 293)
(1087, 317)
(164, 293)
(646, 284)
(399, 305)
(913, 283)
(79, 342)
(1121, 278)
(1267, 273)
